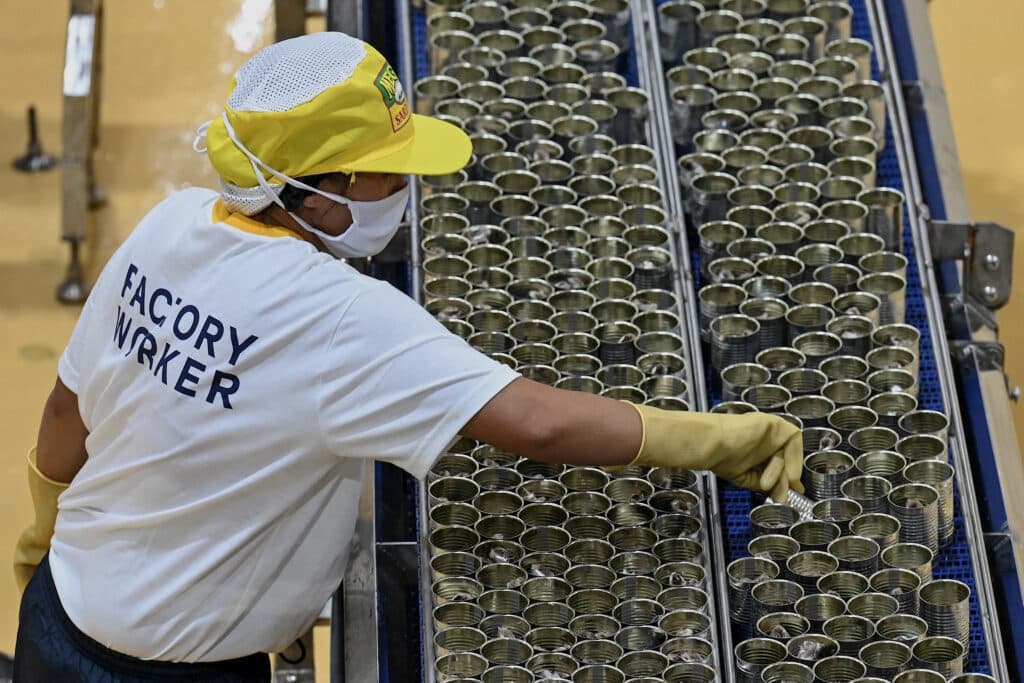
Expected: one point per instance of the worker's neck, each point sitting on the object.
(275, 216)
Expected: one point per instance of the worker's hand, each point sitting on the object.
(755, 451)
(34, 542)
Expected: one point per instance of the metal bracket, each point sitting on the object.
(80, 135)
(982, 356)
(290, 16)
(1000, 552)
(986, 250)
(296, 662)
(913, 95)
(965, 316)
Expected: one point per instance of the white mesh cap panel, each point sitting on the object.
(246, 200)
(287, 74)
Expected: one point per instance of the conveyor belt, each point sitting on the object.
(954, 561)
(631, 70)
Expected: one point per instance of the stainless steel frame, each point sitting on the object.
(651, 49)
(922, 247)
(347, 16)
(361, 617)
(82, 71)
(355, 656)
(408, 72)
(360, 590)
(80, 135)
(405, 39)
(650, 72)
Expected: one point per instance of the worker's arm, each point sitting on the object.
(55, 461)
(60, 448)
(756, 451)
(553, 425)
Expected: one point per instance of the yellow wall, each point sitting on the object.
(167, 65)
(981, 65)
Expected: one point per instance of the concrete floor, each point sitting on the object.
(168, 63)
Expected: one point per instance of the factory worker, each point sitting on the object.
(197, 471)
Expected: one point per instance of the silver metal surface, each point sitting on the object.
(945, 607)
(360, 589)
(83, 71)
(347, 16)
(529, 341)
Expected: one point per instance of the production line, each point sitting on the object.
(747, 208)
(664, 211)
(611, 325)
(734, 206)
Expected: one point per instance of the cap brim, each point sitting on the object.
(437, 148)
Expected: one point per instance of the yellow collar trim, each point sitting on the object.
(250, 225)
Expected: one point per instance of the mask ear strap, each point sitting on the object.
(257, 163)
(199, 143)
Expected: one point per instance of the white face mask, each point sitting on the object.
(374, 223)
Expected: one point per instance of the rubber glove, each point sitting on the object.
(34, 542)
(755, 451)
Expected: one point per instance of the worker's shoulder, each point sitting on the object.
(366, 296)
(348, 281)
(191, 205)
(188, 199)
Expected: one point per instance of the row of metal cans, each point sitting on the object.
(553, 252)
(779, 130)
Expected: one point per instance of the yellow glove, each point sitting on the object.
(755, 451)
(35, 540)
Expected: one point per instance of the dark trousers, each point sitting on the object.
(51, 649)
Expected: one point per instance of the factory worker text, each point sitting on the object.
(177, 341)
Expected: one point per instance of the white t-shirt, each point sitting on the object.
(233, 381)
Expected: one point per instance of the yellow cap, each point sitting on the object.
(328, 103)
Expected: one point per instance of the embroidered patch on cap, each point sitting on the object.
(394, 97)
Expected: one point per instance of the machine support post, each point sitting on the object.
(79, 193)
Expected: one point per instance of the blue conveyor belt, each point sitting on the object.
(954, 561)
